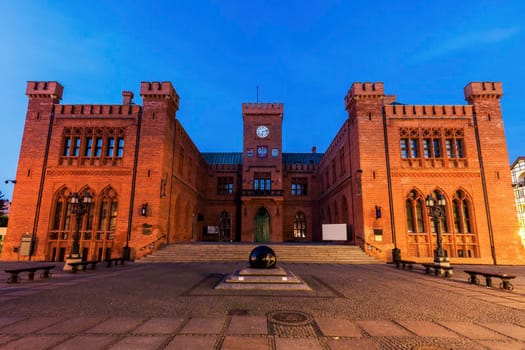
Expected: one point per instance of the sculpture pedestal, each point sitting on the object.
(68, 267)
(263, 279)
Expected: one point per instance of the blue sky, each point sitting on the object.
(305, 54)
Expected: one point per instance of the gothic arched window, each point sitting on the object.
(107, 211)
(461, 210)
(61, 220)
(415, 204)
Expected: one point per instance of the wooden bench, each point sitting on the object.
(404, 263)
(14, 278)
(83, 265)
(505, 279)
(437, 269)
(110, 261)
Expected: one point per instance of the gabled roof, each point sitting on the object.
(223, 157)
(520, 158)
(236, 158)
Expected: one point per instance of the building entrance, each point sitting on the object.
(262, 225)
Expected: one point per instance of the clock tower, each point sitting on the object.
(262, 184)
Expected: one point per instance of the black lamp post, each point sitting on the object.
(436, 210)
(80, 205)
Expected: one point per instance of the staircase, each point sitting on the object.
(285, 252)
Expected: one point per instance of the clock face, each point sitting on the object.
(263, 131)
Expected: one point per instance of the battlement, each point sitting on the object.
(44, 89)
(428, 111)
(365, 90)
(262, 108)
(97, 111)
(159, 90)
(484, 90)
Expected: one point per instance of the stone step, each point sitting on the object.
(304, 253)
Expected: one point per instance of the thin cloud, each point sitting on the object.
(469, 40)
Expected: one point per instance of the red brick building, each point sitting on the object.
(151, 186)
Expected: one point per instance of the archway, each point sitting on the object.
(262, 225)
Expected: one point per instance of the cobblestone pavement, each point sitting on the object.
(174, 306)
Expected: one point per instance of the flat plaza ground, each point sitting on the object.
(174, 306)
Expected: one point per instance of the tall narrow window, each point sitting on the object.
(450, 148)
(98, 147)
(76, 147)
(67, 147)
(58, 213)
(299, 225)
(455, 213)
(110, 147)
(89, 147)
(60, 224)
(414, 150)
(404, 148)
(113, 216)
(461, 212)
(107, 212)
(414, 212)
(62, 215)
(410, 216)
(459, 148)
(437, 148)
(427, 148)
(419, 216)
(103, 216)
(120, 147)
(454, 143)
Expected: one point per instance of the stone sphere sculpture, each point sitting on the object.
(262, 257)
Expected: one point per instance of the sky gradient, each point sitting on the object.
(305, 54)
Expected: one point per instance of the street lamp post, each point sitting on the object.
(80, 205)
(436, 210)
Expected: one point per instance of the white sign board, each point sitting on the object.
(334, 232)
(213, 230)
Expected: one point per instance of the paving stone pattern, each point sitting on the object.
(173, 306)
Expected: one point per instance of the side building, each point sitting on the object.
(150, 185)
(518, 182)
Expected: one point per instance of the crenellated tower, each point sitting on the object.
(34, 152)
(495, 173)
(156, 152)
(368, 162)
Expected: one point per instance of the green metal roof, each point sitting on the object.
(236, 158)
(302, 158)
(223, 157)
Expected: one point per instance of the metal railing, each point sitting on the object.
(262, 193)
(369, 246)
